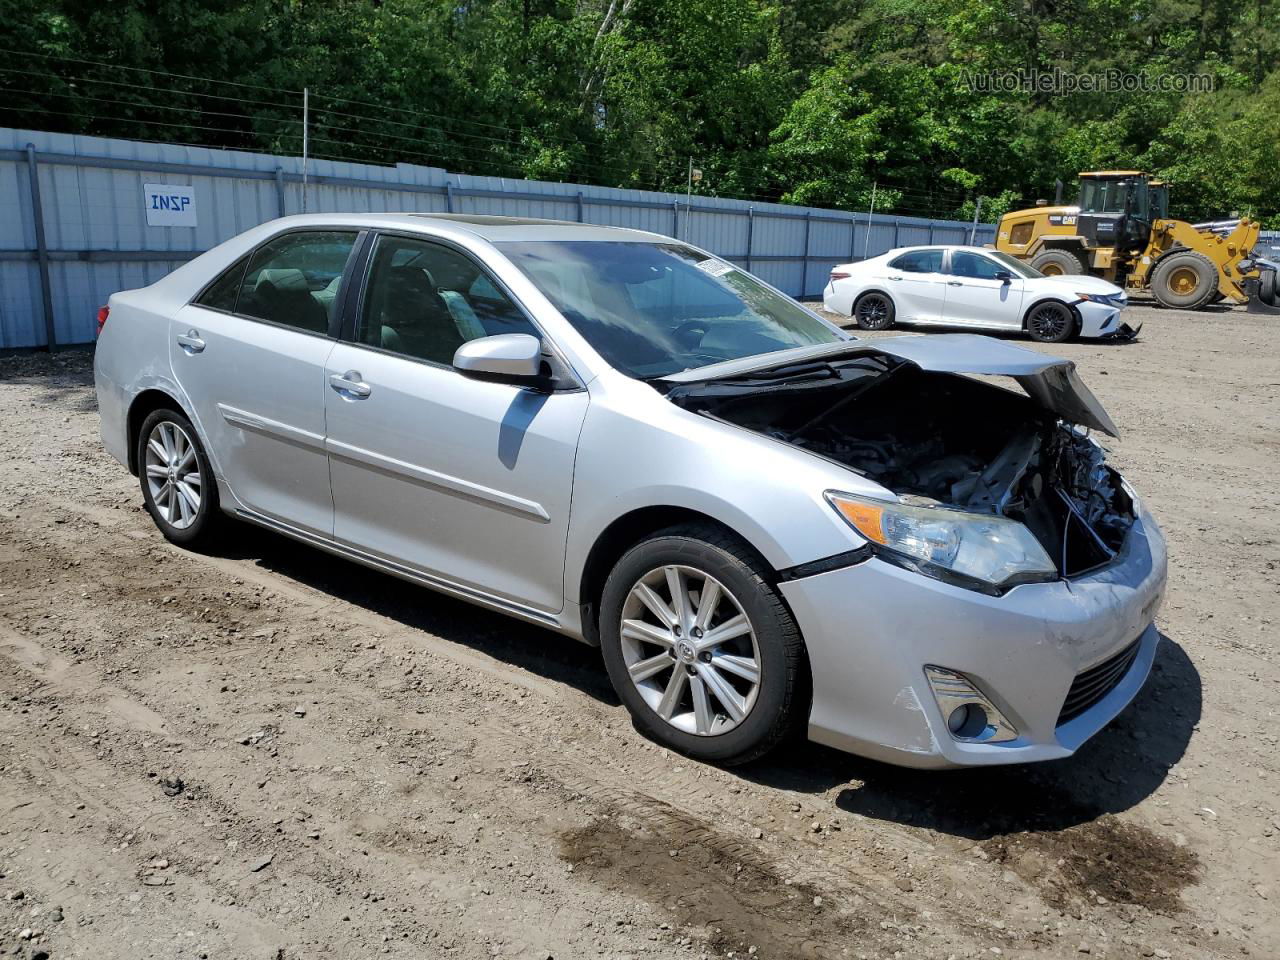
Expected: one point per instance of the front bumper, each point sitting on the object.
(871, 629)
(1102, 321)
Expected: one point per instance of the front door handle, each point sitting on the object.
(190, 341)
(895, 278)
(350, 385)
(954, 283)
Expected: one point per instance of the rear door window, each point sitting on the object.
(294, 279)
(919, 261)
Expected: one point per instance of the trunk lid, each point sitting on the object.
(1051, 381)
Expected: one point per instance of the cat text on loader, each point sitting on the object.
(1121, 231)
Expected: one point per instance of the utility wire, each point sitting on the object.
(291, 107)
(165, 73)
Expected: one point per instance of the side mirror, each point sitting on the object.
(514, 358)
(1004, 276)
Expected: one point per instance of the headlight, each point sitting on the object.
(1111, 300)
(973, 549)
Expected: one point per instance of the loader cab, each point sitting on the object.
(1116, 209)
(1159, 191)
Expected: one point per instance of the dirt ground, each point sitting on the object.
(273, 754)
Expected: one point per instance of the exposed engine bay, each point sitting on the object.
(938, 439)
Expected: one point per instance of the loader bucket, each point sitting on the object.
(1264, 290)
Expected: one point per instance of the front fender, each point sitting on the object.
(638, 450)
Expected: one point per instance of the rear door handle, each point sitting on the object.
(954, 283)
(895, 278)
(350, 385)
(190, 341)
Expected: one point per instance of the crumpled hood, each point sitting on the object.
(1050, 381)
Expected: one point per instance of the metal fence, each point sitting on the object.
(73, 228)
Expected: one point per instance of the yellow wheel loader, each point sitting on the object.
(1121, 231)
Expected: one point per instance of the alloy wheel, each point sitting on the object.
(690, 650)
(873, 312)
(173, 474)
(1048, 322)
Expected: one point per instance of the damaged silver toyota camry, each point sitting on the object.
(912, 548)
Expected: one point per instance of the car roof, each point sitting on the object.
(942, 246)
(491, 228)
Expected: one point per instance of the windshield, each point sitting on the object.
(1108, 196)
(1015, 266)
(653, 309)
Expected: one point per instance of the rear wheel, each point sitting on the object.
(700, 647)
(1186, 280)
(177, 482)
(873, 311)
(1059, 263)
(1051, 322)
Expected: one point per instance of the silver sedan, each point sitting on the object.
(769, 527)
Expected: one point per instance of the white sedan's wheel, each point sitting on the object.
(690, 650)
(874, 311)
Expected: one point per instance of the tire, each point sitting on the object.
(1186, 280)
(1059, 263)
(166, 491)
(1050, 322)
(874, 311)
(1269, 287)
(730, 729)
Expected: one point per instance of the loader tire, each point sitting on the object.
(1269, 287)
(1059, 263)
(1186, 280)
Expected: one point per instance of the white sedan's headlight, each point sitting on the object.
(986, 548)
(1109, 299)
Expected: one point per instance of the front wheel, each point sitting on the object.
(1050, 322)
(1185, 280)
(873, 311)
(700, 647)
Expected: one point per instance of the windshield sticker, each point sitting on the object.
(717, 268)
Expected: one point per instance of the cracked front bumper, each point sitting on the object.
(871, 629)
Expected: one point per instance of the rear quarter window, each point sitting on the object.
(224, 291)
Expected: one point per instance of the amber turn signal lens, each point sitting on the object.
(865, 518)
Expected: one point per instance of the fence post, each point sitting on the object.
(853, 236)
(448, 195)
(895, 233)
(580, 211)
(804, 264)
(931, 234)
(751, 229)
(42, 250)
(675, 219)
(280, 191)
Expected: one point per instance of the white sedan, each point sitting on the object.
(975, 287)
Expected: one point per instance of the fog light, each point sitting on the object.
(967, 721)
(970, 716)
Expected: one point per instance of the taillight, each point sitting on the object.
(839, 275)
(103, 313)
